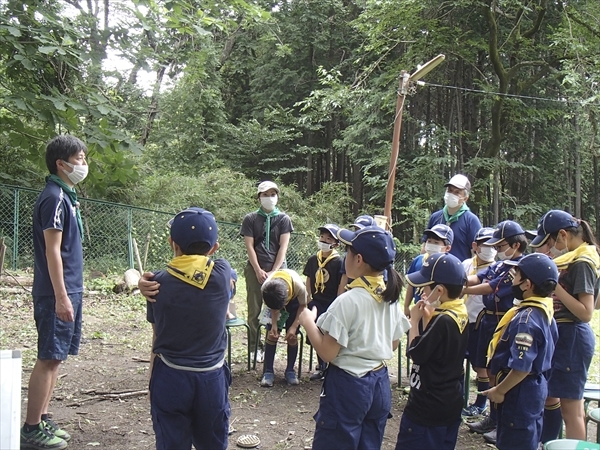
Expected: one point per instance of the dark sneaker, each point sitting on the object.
(291, 378)
(41, 439)
(57, 431)
(317, 376)
(483, 426)
(490, 437)
(474, 411)
(268, 379)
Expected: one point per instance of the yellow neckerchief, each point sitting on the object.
(285, 276)
(320, 275)
(456, 310)
(543, 303)
(585, 252)
(373, 285)
(193, 269)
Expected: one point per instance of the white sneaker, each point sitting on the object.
(260, 356)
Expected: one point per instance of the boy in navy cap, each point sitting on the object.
(439, 240)
(520, 354)
(495, 285)
(357, 333)
(359, 223)
(323, 278)
(432, 414)
(483, 258)
(189, 380)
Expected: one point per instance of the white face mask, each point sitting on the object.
(433, 248)
(268, 203)
(433, 303)
(451, 200)
(324, 246)
(79, 172)
(502, 256)
(556, 252)
(487, 253)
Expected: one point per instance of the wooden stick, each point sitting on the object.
(2, 253)
(147, 247)
(137, 255)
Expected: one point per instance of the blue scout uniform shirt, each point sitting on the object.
(190, 322)
(415, 266)
(500, 279)
(465, 229)
(527, 344)
(53, 210)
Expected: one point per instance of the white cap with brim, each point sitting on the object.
(460, 182)
(265, 186)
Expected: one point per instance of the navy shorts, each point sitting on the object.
(189, 407)
(520, 415)
(418, 437)
(355, 421)
(487, 326)
(572, 358)
(472, 343)
(56, 338)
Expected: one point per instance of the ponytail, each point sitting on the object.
(393, 286)
(584, 231)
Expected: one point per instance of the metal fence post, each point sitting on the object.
(130, 237)
(15, 253)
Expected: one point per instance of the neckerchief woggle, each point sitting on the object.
(72, 194)
(543, 303)
(267, 217)
(454, 217)
(192, 269)
(456, 310)
(375, 286)
(320, 275)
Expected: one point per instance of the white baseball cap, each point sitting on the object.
(460, 182)
(265, 186)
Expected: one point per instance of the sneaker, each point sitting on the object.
(268, 379)
(318, 375)
(483, 426)
(41, 439)
(474, 411)
(291, 378)
(57, 431)
(260, 355)
(490, 437)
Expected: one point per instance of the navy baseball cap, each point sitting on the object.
(537, 267)
(374, 244)
(332, 228)
(441, 268)
(484, 234)
(551, 222)
(444, 232)
(504, 230)
(363, 221)
(193, 225)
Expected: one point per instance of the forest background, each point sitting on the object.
(193, 102)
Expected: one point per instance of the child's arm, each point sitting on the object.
(497, 393)
(583, 308)
(343, 283)
(326, 346)
(152, 356)
(472, 280)
(480, 289)
(63, 305)
(408, 296)
(148, 287)
(291, 332)
(274, 333)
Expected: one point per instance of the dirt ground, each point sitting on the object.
(100, 397)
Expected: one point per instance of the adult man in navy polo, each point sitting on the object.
(457, 215)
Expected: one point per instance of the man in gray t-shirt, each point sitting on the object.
(266, 233)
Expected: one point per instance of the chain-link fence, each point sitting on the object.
(113, 232)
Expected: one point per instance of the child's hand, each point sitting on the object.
(291, 337)
(407, 311)
(274, 333)
(148, 287)
(261, 275)
(494, 395)
(416, 312)
(308, 316)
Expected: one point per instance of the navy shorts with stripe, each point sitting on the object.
(57, 338)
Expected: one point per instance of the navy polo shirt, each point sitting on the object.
(465, 229)
(53, 210)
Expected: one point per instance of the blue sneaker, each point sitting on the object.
(268, 379)
(291, 378)
(474, 411)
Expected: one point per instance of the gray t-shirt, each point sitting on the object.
(578, 278)
(254, 225)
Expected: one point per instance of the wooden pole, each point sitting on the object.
(137, 255)
(389, 191)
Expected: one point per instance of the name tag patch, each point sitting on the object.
(524, 340)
